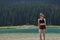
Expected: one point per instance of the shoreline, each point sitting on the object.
(28, 36)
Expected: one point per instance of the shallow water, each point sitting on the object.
(31, 30)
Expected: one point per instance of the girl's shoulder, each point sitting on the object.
(44, 19)
(38, 18)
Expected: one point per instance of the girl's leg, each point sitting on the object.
(40, 34)
(44, 30)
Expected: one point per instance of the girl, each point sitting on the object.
(42, 26)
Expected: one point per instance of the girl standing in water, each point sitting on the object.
(42, 26)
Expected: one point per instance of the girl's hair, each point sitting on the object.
(41, 14)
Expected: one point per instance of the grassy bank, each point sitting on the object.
(26, 26)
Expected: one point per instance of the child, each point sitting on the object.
(42, 25)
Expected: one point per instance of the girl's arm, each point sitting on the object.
(45, 24)
(38, 23)
(45, 21)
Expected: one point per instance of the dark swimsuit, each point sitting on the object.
(42, 26)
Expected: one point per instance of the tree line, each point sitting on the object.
(28, 13)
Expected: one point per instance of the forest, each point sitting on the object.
(21, 13)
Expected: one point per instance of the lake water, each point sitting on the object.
(31, 30)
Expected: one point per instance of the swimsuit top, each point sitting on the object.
(42, 22)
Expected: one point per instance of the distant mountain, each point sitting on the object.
(31, 1)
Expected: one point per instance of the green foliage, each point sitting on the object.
(28, 13)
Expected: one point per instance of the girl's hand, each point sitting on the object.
(45, 30)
